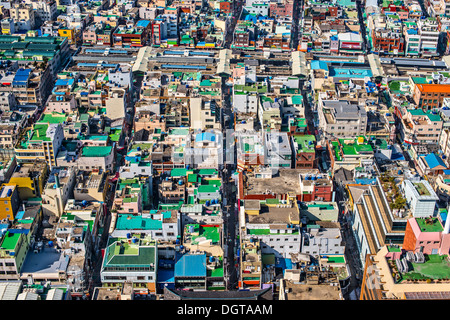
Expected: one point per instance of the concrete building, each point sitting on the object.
(30, 179)
(380, 283)
(278, 152)
(276, 225)
(204, 114)
(204, 149)
(9, 197)
(58, 190)
(420, 197)
(90, 186)
(341, 118)
(323, 238)
(127, 260)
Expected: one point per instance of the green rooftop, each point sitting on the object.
(258, 231)
(430, 115)
(429, 224)
(207, 189)
(249, 88)
(53, 117)
(40, 133)
(297, 99)
(130, 222)
(96, 151)
(421, 189)
(435, 267)
(205, 233)
(305, 143)
(121, 253)
(10, 241)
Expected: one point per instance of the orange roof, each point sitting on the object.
(438, 88)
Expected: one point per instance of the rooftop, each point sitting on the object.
(96, 151)
(429, 225)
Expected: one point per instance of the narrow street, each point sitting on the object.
(359, 6)
(351, 249)
(229, 217)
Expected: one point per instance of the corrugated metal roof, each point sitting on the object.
(28, 296)
(55, 294)
(10, 290)
(299, 63)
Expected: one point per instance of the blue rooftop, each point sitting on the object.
(205, 136)
(191, 265)
(318, 65)
(64, 82)
(349, 72)
(142, 23)
(434, 161)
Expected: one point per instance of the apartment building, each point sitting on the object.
(429, 36)
(342, 118)
(380, 218)
(419, 127)
(41, 141)
(251, 266)
(204, 114)
(250, 149)
(57, 191)
(420, 198)
(278, 152)
(315, 187)
(305, 151)
(412, 38)
(30, 179)
(430, 96)
(389, 40)
(350, 153)
(204, 149)
(9, 197)
(274, 223)
(24, 16)
(129, 260)
(90, 186)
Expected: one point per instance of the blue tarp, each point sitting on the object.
(397, 156)
(283, 263)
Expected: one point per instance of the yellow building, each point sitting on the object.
(9, 201)
(30, 179)
(67, 33)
